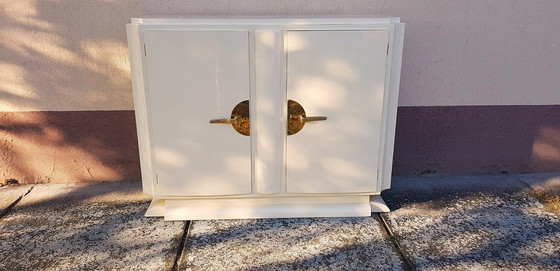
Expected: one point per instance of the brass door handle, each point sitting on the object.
(297, 117)
(227, 121)
(239, 118)
(317, 118)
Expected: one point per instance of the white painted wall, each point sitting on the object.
(71, 55)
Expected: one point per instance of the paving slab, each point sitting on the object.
(87, 227)
(10, 194)
(289, 244)
(472, 223)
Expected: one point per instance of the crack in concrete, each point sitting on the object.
(408, 266)
(86, 168)
(181, 249)
(11, 206)
(53, 167)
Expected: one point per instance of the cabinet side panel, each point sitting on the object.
(339, 75)
(195, 77)
(394, 84)
(271, 105)
(134, 53)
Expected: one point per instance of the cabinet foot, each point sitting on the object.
(378, 204)
(156, 208)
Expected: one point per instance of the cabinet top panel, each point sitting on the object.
(265, 20)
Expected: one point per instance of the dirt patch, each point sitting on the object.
(550, 200)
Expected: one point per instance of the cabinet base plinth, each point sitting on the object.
(200, 209)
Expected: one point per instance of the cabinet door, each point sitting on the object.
(339, 75)
(194, 77)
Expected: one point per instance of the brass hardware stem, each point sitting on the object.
(317, 118)
(226, 121)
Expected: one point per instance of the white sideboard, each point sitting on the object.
(265, 117)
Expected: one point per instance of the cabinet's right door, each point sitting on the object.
(339, 75)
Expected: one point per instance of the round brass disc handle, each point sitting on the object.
(239, 119)
(297, 117)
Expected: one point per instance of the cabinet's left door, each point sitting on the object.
(193, 77)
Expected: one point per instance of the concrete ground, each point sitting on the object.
(437, 223)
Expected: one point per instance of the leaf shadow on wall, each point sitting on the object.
(69, 72)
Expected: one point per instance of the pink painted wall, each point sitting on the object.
(464, 140)
(71, 56)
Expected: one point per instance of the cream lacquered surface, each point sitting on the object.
(190, 71)
(193, 77)
(270, 121)
(340, 75)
